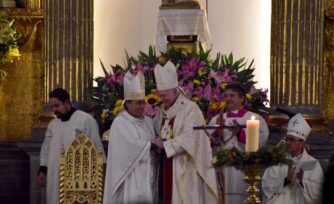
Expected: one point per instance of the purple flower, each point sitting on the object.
(204, 93)
(151, 111)
(116, 78)
(141, 68)
(264, 95)
(221, 76)
(189, 88)
(252, 90)
(190, 68)
(217, 95)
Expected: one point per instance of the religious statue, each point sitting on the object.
(181, 4)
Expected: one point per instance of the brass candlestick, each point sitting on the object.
(252, 178)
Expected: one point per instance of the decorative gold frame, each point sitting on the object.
(180, 5)
(186, 43)
(81, 173)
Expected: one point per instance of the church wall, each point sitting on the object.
(243, 28)
(238, 26)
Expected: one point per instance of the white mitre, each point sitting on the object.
(134, 86)
(298, 127)
(166, 76)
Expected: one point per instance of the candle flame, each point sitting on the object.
(253, 117)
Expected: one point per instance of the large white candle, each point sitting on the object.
(252, 135)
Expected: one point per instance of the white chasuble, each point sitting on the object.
(234, 185)
(194, 179)
(307, 192)
(130, 172)
(61, 134)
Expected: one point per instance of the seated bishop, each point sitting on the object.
(301, 182)
(130, 166)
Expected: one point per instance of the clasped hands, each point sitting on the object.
(291, 173)
(158, 143)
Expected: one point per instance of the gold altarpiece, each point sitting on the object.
(21, 94)
(296, 54)
(69, 47)
(57, 51)
(328, 65)
(302, 57)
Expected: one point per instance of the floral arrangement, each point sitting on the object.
(8, 41)
(266, 156)
(200, 76)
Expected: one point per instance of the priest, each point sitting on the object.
(234, 97)
(130, 174)
(60, 133)
(185, 171)
(301, 182)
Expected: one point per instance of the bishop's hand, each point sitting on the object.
(158, 143)
(291, 172)
(300, 176)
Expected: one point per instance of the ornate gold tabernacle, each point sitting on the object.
(81, 173)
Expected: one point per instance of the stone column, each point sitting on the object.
(296, 55)
(69, 46)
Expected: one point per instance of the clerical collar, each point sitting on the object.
(166, 109)
(298, 157)
(236, 113)
(175, 108)
(67, 116)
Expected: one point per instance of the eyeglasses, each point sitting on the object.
(292, 139)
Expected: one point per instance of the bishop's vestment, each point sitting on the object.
(130, 175)
(307, 192)
(188, 154)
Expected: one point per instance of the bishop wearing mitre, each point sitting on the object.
(185, 171)
(301, 182)
(130, 164)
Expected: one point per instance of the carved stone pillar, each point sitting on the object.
(328, 68)
(296, 55)
(69, 46)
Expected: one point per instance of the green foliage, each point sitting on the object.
(8, 39)
(266, 156)
(201, 77)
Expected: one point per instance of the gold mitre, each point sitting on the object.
(134, 86)
(298, 127)
(166, 76)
